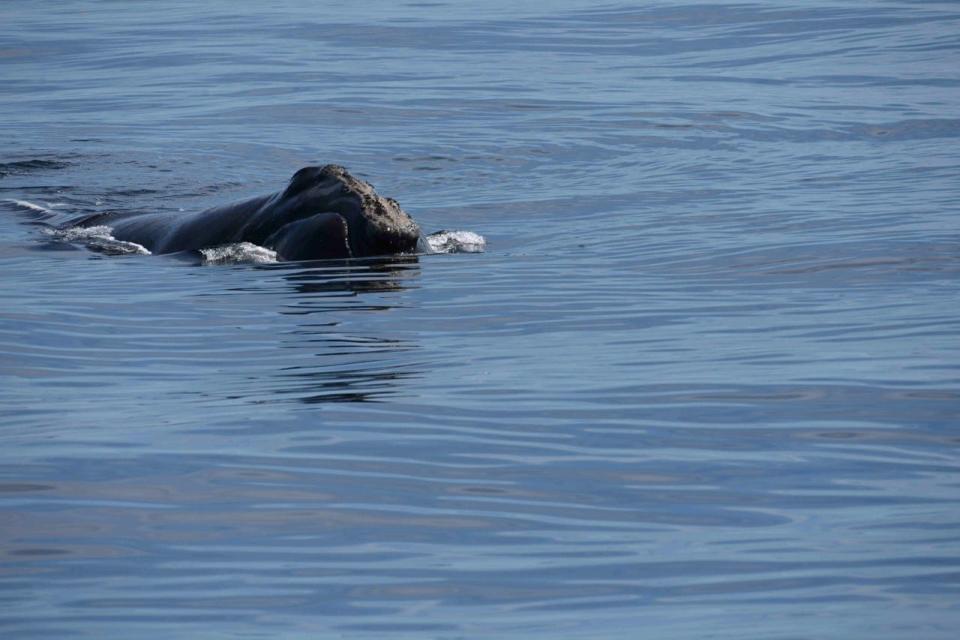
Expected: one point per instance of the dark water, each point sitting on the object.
(702, 384)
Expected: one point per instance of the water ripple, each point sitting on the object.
(704, 380)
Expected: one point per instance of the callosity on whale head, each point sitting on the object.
(375, 225)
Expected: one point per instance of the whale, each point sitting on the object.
(324, 212)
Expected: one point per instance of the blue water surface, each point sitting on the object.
(704, 383)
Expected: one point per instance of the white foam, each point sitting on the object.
(79, 234)
(99, 238)
(239, 253)
(456, 242)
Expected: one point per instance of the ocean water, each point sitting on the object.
(704, 382)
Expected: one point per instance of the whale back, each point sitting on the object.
(364, 223)
(209, 228)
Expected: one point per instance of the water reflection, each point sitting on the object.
(344, 385)
(353, 276)
(337, 363)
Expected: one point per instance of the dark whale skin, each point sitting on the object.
(323, 213)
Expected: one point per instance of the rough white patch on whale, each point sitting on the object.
(239, 253)
(99, 237)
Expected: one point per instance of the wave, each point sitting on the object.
(21, 167)
(31, 206)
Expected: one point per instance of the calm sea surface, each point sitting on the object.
(704, 383)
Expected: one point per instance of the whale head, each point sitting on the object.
(375, 225)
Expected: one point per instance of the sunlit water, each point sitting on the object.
(703, 383)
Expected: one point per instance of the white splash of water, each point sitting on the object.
(456, 242)
(239, 253)
(98, 238)
(79, 234)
